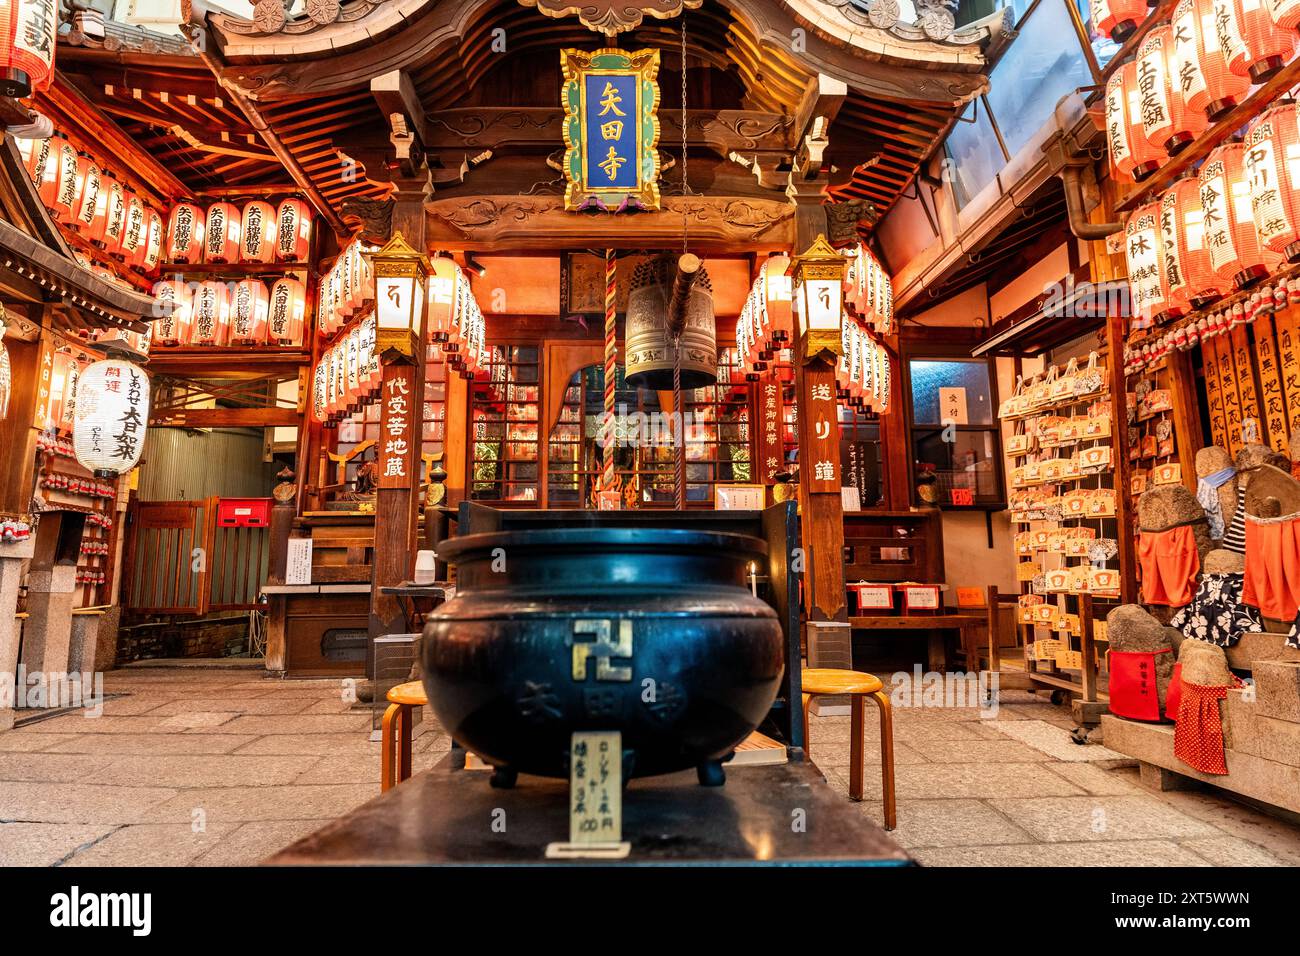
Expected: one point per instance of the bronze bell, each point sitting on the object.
(649, 353)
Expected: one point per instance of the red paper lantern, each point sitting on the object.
(114, 221)
(6, 376)
(293, 231)
(1236, 253)
(185, 228)
(36, 152)
(1175, 283)
(221, 233)
(134, 231)
(1142, 251)
(258, 229)
(211, 310)
(88, 189)
(1285, 13)
(776, 287)
(1117, 19)
(1130, 153)
(440, 295)
(174, 329)
(1224, 87)
(52, 169)
(374, 374)
(1256, 46)
(1272, 155)
(1146, 157)
(1167, 123)
(248, 313)
(288, 308)
(153, 241)
(28, 30)
(62, 363)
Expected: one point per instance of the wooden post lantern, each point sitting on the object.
(818, 297)
(111, 417)
(399, 298)
(28, 30)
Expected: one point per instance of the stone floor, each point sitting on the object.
(221, 767)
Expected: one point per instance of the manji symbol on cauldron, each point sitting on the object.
(602, 649)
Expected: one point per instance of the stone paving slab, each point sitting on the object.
(977, 751)
(953, 823)
(252, 843)
(299, 724)
(1055, 742)
(45, 844)
(245, 804)
(151, 844)
(79, 802)
(234, 705)
(52, 768)
(152, 743)
(1119, 853)
(185, 771)
(1099, 819)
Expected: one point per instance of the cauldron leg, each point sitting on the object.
(710, 773)
(629, 766)
(504, 778)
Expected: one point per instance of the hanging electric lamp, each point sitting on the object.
(288, 309)
(1271, 157)
(174, 326)
(185, 233)
(1257, 47)
(1117, 19)
(111, 418)
(1167, 123)
(257, 231)
(221, 233)
(1142, 248)
(1223, 86)
(1236, 253)
(28, 31)
(293, 231)
(248, 313)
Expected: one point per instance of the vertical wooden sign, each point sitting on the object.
(395, 448)
(819, 441)
(1289, 364)
(1214, 396)
(1244, 364)
(1228, 385)
(771, 422)
(596, 787)
(1272, 401)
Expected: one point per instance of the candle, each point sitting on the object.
(753, 579)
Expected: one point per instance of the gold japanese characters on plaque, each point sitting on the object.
(611, 129)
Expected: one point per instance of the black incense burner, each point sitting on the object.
(650, 632)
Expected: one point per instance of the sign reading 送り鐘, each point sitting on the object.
(611, 129)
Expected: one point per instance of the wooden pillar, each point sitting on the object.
(397, 504)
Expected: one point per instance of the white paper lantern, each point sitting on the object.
(6, 375)
(111, 417)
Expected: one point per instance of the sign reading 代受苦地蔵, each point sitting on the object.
(611, 129)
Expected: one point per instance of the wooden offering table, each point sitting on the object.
(442, 817)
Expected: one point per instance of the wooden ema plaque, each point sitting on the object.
(1214, 396)
(1243, 362)
(1289, 363)
(1228, 385)
(1273, 405)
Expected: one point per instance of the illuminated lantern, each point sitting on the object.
(318, 391)
(258, 232)
(1236, 253)
(112, 415)
(1117, 141)
(400, 297)
(1167, 123)
(221, 233)
(1223, 87)
(1256, 46)
(440, 289)
(1117, 19)
(879, 295)
(88, 188)
(211, 311)
(1142, 250)
(373, 373)
(114, 216)
(174, 328)
(185, 233)
(153, 242)
(6, 375)
(35, 155)
(28, 30)
(288, 309)
(1285, 13)
(293, 231)
(344, 269)
(75, 368)
(353, 383)
(1175, 285)
(1146, 157)
(775, 285)
(135, 231)
(1272, 153)
(248, 313)
(54, 167)
(64, 206)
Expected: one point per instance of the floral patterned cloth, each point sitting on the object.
(1218, 615)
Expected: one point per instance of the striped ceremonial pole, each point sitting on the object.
(611, 365)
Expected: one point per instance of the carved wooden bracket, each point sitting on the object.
(612, 17)
(372, 217)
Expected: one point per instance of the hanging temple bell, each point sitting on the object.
(670, 294)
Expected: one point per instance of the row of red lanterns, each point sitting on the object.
(94, 201)
(454, 321)
(1190, 72)
(239, 313)
(224, 234)
(766, 323)
(1222, 230)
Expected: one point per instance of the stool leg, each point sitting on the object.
(856, 730)
(807, 737)
(404, 744)
(387, 768)
(887, 757)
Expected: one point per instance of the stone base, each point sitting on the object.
(1259, 647)
(1268, 781)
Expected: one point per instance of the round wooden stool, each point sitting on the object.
(396, 763)
(834, 681)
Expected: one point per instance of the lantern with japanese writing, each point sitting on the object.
(258, 232)
(1117, 19)
(134, 231)
(174, 326)
(6, 373)
(248, 313)
(1174, 285)
(318, 390)
(818, 297)
(1285, 13)
(776, 291)
(114, 218)
(153, 243)
(185, 233)
(293, 231)
(221, 233)
(1236, 253)
(288, 309)
(36, 153)
(111, 417)
(1203, 284)
(211, 311)
(1255, 45)
(399, 296)
(58, 171)
(78, 365)
(1215, 88)
(88, 189)
(1117, 131)
(28, 29)
(53, 412)
(1146, 158)
(1167, 123)
(1272, 156)
(352, 384)
(441, 291)
(372, 371)
(1142, 251)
